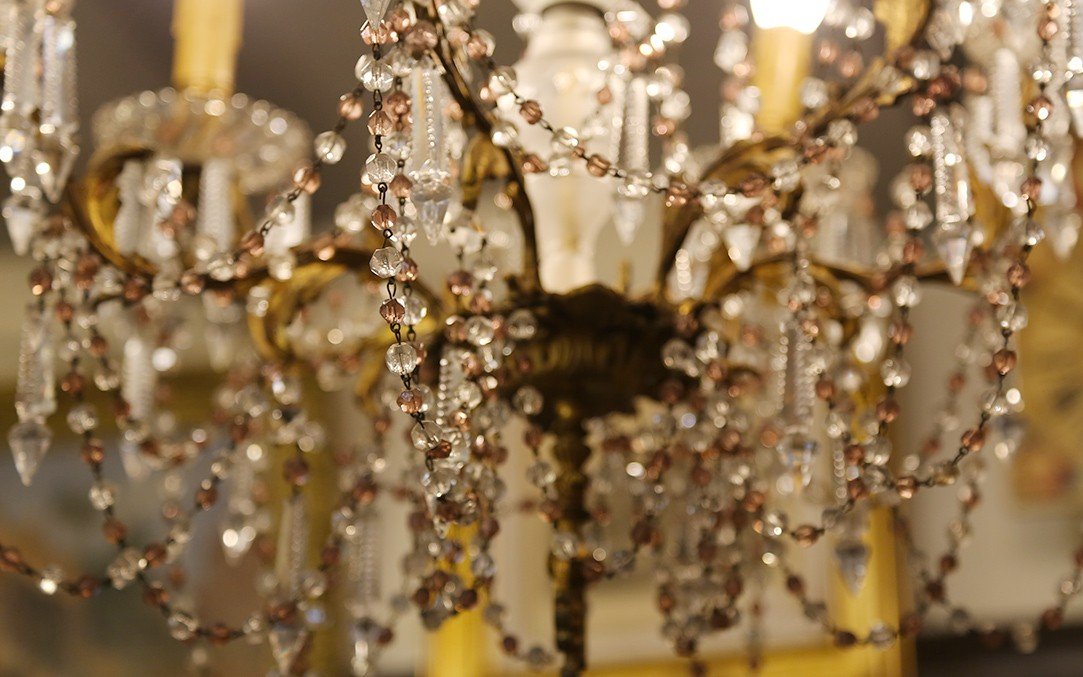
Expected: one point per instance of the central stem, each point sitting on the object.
(570, 601)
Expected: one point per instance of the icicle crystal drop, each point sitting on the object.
(34, 391)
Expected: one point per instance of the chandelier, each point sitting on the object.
(708, 429)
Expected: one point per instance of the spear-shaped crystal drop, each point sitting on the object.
(741, 240)
(954, 244)
(375, 10)
(431, 195)
(22, 214)
(853, 560)
(35, 398)
(286, 642)
(29, 441)
(53, 157)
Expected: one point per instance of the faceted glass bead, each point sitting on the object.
(82, 418)
(102, 496)
(330, 147)
(565, 139)
(906, 291)
(528, 400)
(564, 545)
(380, 168)
(504, 134)
(881, 636)
(521, 325)
(635, 185)
(375, 76)
(124, 568)
(415, 310)
(385, 262)
(281, 210)
(480, 330)
(895, 371)
(401, 359)
(51, 578)
(440, 481)
(541, 473)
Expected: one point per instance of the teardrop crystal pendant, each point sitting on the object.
(954, 244)
(853, 560)
(431, 195)
(29, 443)
(286, 641)
(22, 214)
(741, 240)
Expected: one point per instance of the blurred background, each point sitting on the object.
(300, 56)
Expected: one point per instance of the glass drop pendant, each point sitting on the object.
(375, 10)
(29, 442)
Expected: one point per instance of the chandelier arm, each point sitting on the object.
(515, 180)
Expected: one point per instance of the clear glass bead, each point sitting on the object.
(380, 168)
(330, 147)
(401, 359)
(385, 262)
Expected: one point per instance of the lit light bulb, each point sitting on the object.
(804, 16)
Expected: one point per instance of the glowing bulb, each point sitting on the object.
(804, 16)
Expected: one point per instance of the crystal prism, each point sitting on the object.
(292, 546)
(35, 398)
(29, 441)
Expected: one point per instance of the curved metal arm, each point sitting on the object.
(904, 20)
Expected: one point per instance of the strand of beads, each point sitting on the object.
(635, 183)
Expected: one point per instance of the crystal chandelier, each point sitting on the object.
(708, 429)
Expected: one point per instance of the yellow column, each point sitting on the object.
(208, 37)
(783, 58)
(459, 647)
(878, 602)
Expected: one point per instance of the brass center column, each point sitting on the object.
(571, 453)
